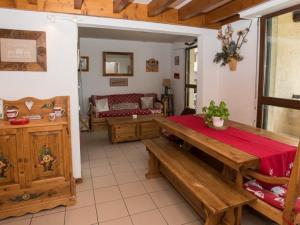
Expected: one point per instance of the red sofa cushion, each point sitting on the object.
(124, 112)
(274, 197)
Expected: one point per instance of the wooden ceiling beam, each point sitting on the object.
(230, 9)
(156, 7)
(34, 2)
(78, 4)
(120, 5)
(230, 20)
(197, 7)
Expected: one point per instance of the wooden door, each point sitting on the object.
(45, 150)
(9, 154)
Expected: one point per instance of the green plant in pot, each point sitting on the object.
(215, 115)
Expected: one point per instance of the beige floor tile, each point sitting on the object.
(107, 194)
(198, 222)
(166, 197)
(141, 174)
(86, 173)
(123, 178)
(178, 214)
(132, 189)
(16, 219)
(83, 198)
(17, 222)
(104, 181)
(51, 219)
(96, 155)
(148, 218)
(156, 184)
(101, 171)
(85, 164)
(117, 160)
(81, 216)
(50, 211)
(122, 168)
(122, 221)
(99, 162)
(85, 185)
(111, 210)
(139, 165)
(139, 203)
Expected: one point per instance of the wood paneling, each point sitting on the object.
(230, 10)
(156, 7)
(197, 7)
(119, 5)
(78, 4)
(32, 2)
(104, 8)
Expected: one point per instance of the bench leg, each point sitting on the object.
(153, 167)
(213, 219)
(229, 218)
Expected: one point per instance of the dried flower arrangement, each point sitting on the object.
(230, 48)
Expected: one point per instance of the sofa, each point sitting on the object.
(121, 105)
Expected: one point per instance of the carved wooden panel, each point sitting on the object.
(8, 158)
(22, 50)
(46, 152)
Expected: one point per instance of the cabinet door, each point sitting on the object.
(44, 153)
(8, 158)
(124, 132)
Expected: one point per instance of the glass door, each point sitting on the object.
(279, 85)
(191, 59)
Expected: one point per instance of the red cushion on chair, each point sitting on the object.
(274, 197)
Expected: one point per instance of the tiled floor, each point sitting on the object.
(115, 192)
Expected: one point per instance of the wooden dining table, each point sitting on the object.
(234, 160)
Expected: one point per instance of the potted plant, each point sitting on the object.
(230, 53)
(215, 115)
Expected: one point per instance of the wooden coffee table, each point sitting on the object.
(129, 129)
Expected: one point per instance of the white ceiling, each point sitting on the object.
(87, 32)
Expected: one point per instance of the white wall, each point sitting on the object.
(238, 88)
(61, 76)
(93, 82)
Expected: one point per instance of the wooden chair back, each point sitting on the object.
(293, 192)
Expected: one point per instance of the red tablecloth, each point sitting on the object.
(276, 159)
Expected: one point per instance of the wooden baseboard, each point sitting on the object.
(78, 180)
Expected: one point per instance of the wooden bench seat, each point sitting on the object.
(200, 184)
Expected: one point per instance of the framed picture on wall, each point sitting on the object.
(22, 50)
(84, 64)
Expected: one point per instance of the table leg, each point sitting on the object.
(229, 218)
(153, 166)
(239, 210)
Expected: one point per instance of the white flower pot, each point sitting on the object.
(217, 121)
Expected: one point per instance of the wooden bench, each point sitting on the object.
(202, 186)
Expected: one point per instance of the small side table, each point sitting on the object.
(168, 103)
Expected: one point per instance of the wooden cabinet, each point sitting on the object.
(35, 166)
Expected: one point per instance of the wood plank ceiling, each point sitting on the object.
(197, 13)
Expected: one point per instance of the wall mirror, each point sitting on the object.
(117, 64)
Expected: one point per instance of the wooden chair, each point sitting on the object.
(287, 216)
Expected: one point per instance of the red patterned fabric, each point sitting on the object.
(122, 98)
(276, 159)
(124, 112)
(274, 197)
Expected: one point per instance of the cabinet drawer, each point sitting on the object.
(30, 196)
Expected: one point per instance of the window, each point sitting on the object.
(191, 59)
(279, 85)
